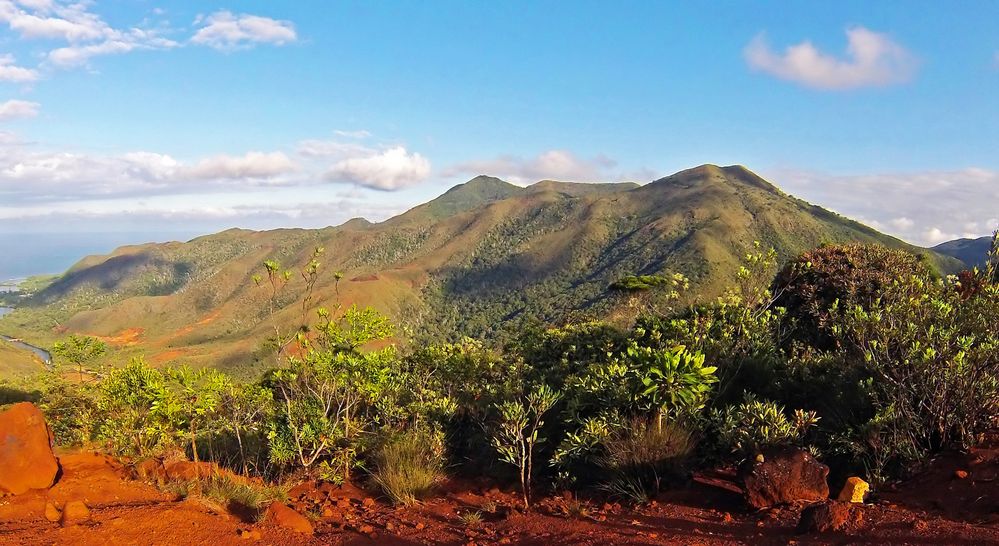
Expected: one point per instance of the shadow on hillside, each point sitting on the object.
(10, 395)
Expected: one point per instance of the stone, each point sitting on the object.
(289, 519)
(786, 475)
(961, 474)
(74, 512)
(854, 490)
(829, 516)
(52, 513)
(189, 470)
(149, 469)
(26, 455)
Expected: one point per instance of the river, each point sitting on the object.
(44, 355)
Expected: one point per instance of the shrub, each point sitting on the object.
(408, 465)
(845, 276)
(932, 354)
(755, 425)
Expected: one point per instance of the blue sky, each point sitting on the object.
(195, 116)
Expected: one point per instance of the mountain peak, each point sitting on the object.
(478, 191)
(730, 174)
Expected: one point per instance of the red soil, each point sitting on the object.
(709, 511)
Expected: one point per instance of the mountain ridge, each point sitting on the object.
(483, 257)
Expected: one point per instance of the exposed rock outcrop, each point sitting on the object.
(26, 456)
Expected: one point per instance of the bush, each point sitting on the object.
(408, 465)
(932, 354)
(753, 426)
(847, 276)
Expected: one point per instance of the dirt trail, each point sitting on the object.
(709, 511)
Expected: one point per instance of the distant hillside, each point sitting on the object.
(483, 257)
(972, 252)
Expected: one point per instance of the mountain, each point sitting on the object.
(972, 252)
(484, 257)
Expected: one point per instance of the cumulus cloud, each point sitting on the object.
(70, 22)
(553, 164)
(924, 208)
(227, 31)
(251, 165)
(872, 60)
(10, 72)
(85, 33)
(390, 169)
(14, 109)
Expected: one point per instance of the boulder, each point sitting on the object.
(854, 490)
(74, 512)
(151, 469)
(288, 518)
(52, 513)
(189, 470)
(829, 516)
(783, 476)
(26, 455)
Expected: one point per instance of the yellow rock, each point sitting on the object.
(854, 490)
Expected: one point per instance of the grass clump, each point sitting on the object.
(645, 457)
(409, 465)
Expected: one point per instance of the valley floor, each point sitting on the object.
(936, 508)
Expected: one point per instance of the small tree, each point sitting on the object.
(242, 408)
(517, 433)
(197, 394)
(80, 351)
(671, 383)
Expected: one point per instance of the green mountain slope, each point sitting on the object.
(973, 252)
(483, 257)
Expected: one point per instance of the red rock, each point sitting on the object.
(367, 529)
(368, 502)
(829, 516)
(190, 470)
(288, 518)
(149, 469)
(25, 450)
(961, 474)
(784, 476)
(52, 513)
(74, 512)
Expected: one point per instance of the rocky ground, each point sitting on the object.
(710, 511)
(93, 499)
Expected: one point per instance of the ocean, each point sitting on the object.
(26, 254)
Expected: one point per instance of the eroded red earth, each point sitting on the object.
(942, 506)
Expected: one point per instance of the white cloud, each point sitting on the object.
(227, 31)
(553, 164)
(924, 208)
(85, 33)
(251, 165)
(13, 109)
(872, 59)
(53, 20)
(315, 148)
(10, 72)
(390, 169)
(124, 42)
(358, 134)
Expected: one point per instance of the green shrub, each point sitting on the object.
(755, 425)
(408, 465)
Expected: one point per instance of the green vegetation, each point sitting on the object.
(865, 355)
(486, 259)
